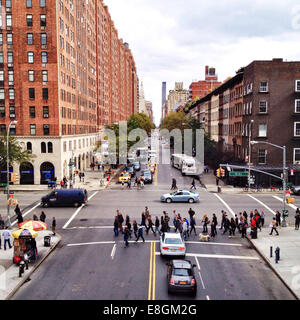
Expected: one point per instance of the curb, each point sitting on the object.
(272, 268)
(25, 277)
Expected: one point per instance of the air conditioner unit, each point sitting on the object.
(43, 27)
(9, 46)
(297, 162)
(44, 46)
(12, 115)
(8, 9)
(46, 115)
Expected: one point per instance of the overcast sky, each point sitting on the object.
(173, 40)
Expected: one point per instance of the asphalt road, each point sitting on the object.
(92, 264)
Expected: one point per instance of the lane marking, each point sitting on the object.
(225, 204)
(155, 177)
(198, 265)
(113, 251)
(26, 213)
(207, 298)
(264, 205)
(150, 273)
(77, 211)
(89, 243)
(220, 256)
(203, 286)
(289, 204)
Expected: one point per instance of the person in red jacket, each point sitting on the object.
(253, 229)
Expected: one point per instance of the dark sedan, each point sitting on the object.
(147, 176)
(181, 277)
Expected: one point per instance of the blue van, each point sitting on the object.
(65, 198)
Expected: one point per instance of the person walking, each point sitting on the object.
(236, 220)
(191, 213)
(257, 219)
(79, 176)
(232, 228)
(71, 184)
(116, 226)
(147, 212)
(135, 181)
(215, 221)
(140, 233)
(17, 210)
(120, 220)
(223, 219)
(278, 218)
(150, 226)
(262, 218)
(122, 184)
(62, 184)
(213, 230)
(128, 224)
(188, 227)
(274, 227)
(244, 226)
(226, 225)
(6, 236)
(34, 217)
(205, 221)
(297, 220)
(126, 236)
(253, 229)
(174, 219)
(129, 184)
(184, 229)
(193, 185)
(43, 216)
(82, 176)
(143, 219)
(245, 215)
(193, 225)
(54, 226)
(65, 181)
(20, 218)
(135, 228)
(156, 223)
(174, 184)
(1, 223)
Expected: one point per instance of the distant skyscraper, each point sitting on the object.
(164, 93)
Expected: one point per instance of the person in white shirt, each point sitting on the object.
(184, 228)
(6, 236)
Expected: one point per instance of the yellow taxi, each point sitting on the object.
(124, 176)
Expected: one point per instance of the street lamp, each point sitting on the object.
(14, 122)
(284, 174)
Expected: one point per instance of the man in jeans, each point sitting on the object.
(6, 236)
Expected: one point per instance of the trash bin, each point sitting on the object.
(47, 241)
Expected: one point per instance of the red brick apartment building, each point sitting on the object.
(264, 103)
(64, 75)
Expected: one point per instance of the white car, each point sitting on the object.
(171, 244)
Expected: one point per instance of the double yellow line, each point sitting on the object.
(155, 177)
(152, 270)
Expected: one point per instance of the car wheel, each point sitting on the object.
(169, 200)
(76, 204)
(191, 200)
(194, 293)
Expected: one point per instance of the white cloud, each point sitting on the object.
(173, 40)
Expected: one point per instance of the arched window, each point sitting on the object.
(50, 147)
(29, 147)
(43, 147)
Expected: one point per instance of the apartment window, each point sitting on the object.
(45, 76)
(297, 129)
(10, 78)
(30, 75)
(2, 94)
(262, 130)
(29, 20)
(31, 93)
(65, 147)
(1, 39)
(8, 20)
(32, 130)
(50, 147)
(45, 112)
(45, 93)
(12, 131)
(296, 155)
(30, 57)
(43, 20)
(46, 129)
(44, 57)
(10, 58)
(2, 128)
(42, 3)
(43, 38)
(297, 86)
(1, 57)
(28, 3)
(12, 112)
(2, 111)
(29, 147)
(29, 38)
(11, 94)
(262, 156)
(1, 75)
(8, 3)
(32, 112)
(43, 147)
(297, 106)
(263, 86)
(9, 38)
(263, 106)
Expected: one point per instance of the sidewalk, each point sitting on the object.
(10, 281)
(288, 267)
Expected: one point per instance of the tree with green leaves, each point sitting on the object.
(16, 153)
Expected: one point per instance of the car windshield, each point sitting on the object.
(181, 272)
(173, 241)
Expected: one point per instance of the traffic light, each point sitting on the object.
(218, 173)
(222, 172)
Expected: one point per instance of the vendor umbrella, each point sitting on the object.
(24, 233)
(34, 225)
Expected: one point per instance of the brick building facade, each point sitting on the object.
(64, 75)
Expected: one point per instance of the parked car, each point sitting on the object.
(147, 176)
(137, 166)
(172, 244)
(296, 190)
(65, 197)
(181, 196)
(181, 277)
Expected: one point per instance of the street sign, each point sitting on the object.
(238, 174)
